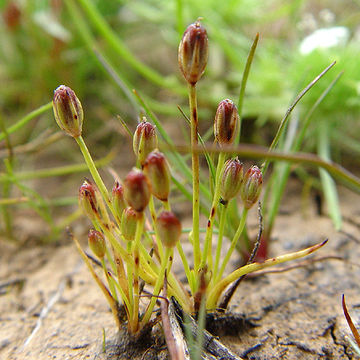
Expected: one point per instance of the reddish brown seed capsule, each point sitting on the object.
(226, 124)
(88, 200)
(118, 199)
(129, 221)
(193, 52)
(144, 140)
(231, 179)
(68, 111)
(97, 243)
(157, 170)
(136, 190)
(251, 187)
(169, 228)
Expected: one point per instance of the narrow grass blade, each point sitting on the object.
(289, 111)
(220, 287)
(57, 171)
(328, 184)
(23, 121)
(121, 49)
(246, 73)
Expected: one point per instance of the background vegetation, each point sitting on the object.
(104, 49)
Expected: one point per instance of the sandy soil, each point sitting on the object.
(53, 309)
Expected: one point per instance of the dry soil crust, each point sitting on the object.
(55, 311)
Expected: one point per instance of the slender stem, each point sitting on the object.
(121, 275)
(209, 230)
(136, 254)
(109, 298)
(287, 114)
(219, 240)
(158, 285)
(109, 257)
(42, 109)
(186, 266)
(56, 171)
(233, 242)
(153, 217)
(110, 283)
(130, 269)
(328, 184)
(195, 174)
(146, 272)
(220, 286)
(166, 205)
(245, 76)
(94, 172)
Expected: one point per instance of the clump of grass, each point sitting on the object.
(136, 233)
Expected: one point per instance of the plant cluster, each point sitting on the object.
(136, 233)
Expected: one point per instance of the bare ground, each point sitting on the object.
(53, 309)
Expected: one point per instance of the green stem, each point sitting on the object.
(219, 240)
(130, 269)
(109, 298)
(56, 171)
(284, 121)
(157, 288)
(186, 267)
(23, 121)
(328, 184)
(153, 217)
(136, 254)
(233, 243)
(195, 175)
(221, 286)
(94, 172)
(209, 230)
(245, 76)
(110, 283)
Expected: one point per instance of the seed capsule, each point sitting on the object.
(68, 111)
(169, 228)
(226, 124)
(88, 200)
(251, 187)
(157, 170)
(97, 243)
(193, 52)
(118, 199)
(129, 221)
(144, 140)
(231, 179)
(136, 190)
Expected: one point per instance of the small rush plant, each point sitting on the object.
(136, 234)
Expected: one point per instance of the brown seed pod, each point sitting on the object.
(231, 179)
(169, 228)
(251, 186)
(68, 111)
(226, 124)
(97, 243)
(193, 52)
(137, 190)
(144, 140)
(156, 168)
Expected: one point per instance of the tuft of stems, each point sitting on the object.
(137, 235)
